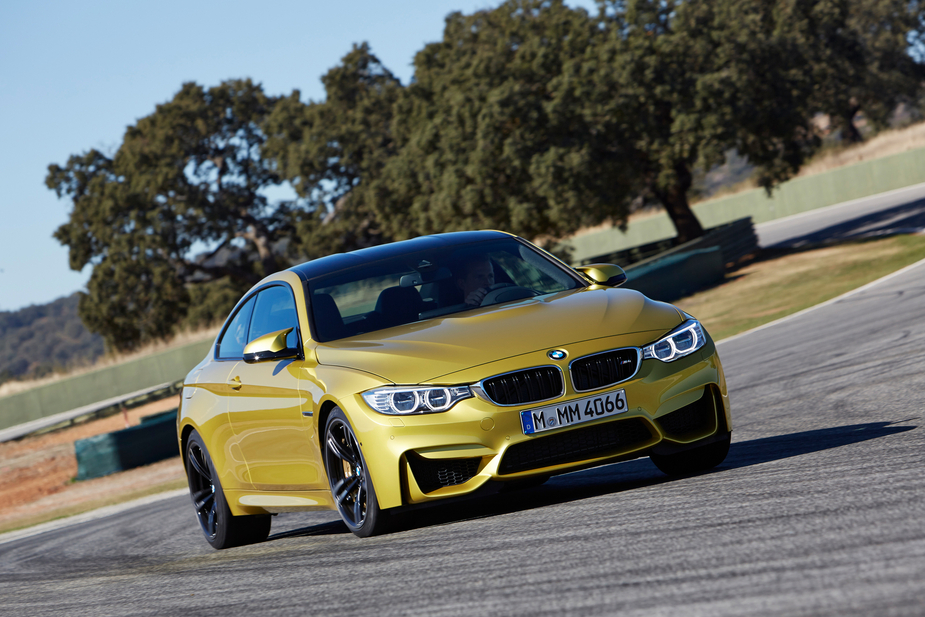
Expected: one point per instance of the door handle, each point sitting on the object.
(235, 383)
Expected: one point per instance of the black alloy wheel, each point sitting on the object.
(220, 527)
(348, 477)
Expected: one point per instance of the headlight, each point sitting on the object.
(404, 401)
(683, 341)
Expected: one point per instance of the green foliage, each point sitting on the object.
(699, 78)
(493, 132)
(212, 301)
(857, 53)
(331, 151)
(189, 173)
(39, 339)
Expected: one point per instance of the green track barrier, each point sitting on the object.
(105, 383)
(678, 275)
(157, 417)
(144, 444)
(798, 195)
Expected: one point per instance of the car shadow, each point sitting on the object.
(640, 473)
(329, 528)
(617, 478)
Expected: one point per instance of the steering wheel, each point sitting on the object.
(504, 292)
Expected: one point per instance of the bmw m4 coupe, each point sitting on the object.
(438, 368)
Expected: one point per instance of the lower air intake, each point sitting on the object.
(610, 438)
(698, 417)
(433, 474)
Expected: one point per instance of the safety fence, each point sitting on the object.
(111, 382)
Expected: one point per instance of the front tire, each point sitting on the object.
(220, 527)
(694, 460)
(348, 477)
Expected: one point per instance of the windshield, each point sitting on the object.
(426, 284)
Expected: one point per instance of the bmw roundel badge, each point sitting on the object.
(556, 354)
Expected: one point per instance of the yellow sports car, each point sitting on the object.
(436, 368)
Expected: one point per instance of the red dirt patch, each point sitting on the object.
(36, 473)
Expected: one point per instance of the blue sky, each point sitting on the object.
(76, 74)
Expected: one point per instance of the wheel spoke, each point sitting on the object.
(199, 467)
(202, 498)
(343, 488)
(358, 505)
(340, 451)
(210, 523)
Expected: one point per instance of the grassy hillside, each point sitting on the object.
(40, 339)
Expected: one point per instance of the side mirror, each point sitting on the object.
(604, 274)
(271, 346)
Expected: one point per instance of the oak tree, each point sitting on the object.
(491, 134)
(188, 176)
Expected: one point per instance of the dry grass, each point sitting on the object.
(36, 473)
(883, 144)
(183, 338)
(771, 289)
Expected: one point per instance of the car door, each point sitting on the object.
(213, 392)
(266, 407)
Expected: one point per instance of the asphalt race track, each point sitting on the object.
(818, 510)
(894, 212)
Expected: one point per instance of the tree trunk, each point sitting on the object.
(674, 200)
(850, 132)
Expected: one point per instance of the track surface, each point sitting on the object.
(899, 211)
(817, 510)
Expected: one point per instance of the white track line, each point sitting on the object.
(92, 515)
(882, 279)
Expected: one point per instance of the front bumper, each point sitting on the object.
(423, 458)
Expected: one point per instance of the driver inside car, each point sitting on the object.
(474, 278)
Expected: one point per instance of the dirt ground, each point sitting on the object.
(36, 473)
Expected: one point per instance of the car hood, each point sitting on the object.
(424, 351)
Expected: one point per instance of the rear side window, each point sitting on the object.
(275, 311)
(234, 338)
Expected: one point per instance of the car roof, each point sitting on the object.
(341, 261)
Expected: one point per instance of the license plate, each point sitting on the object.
(573, 412)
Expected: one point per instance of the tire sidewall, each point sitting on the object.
(222, 511)
(372, 524)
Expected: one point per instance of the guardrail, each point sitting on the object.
(677, 275)
(736, 240)
(71, 394)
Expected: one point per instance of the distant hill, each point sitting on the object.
(40, 339)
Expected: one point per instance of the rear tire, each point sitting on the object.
(694, 460)
(220, 527)
(348, 477)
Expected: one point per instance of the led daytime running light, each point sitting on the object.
(405, 401)
(682, 342)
